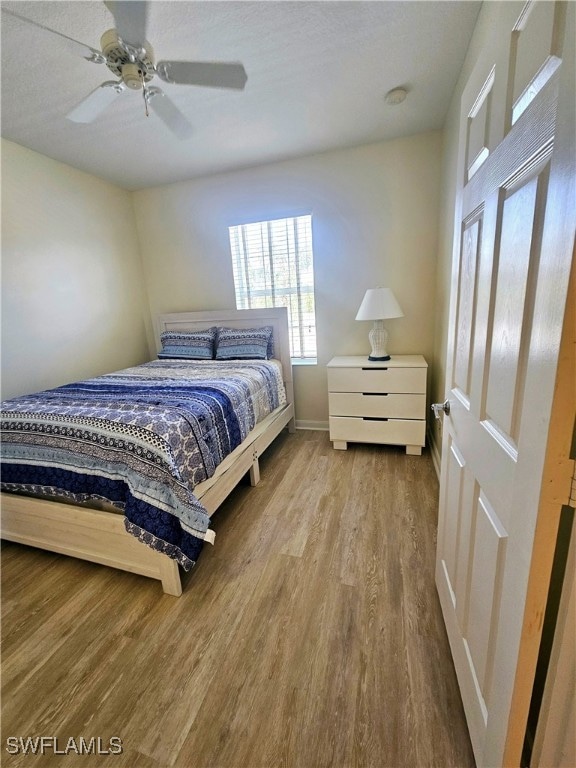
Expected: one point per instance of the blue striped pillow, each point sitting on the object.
(191, 345)
(244, 343)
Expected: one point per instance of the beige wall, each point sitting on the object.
(73, 300)
(375, 218)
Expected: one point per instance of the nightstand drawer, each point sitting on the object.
(393, 431)
(382, 380)
(394, 406)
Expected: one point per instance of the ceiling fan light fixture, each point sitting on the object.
(118, 57)
(396, 96)
(132, 76)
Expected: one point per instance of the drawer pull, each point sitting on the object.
(372, 418)
(374, 369)
(374, 394)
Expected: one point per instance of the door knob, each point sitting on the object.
(438, 407)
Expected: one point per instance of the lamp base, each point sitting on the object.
(378, 338)
(378, 359)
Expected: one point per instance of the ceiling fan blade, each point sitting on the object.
(168, 112)
(213, 74)
(130, 20)
(74, 46)
(96, 102)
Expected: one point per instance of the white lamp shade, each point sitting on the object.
(379, 304)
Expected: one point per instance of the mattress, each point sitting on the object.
(139, 439)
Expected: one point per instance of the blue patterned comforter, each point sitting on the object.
(140, 439)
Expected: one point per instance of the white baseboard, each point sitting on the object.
(318, 425)
(435, 453)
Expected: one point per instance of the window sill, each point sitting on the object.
(304, 361)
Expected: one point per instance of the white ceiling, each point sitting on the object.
(317, 76)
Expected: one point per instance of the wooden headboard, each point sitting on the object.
(277, 317)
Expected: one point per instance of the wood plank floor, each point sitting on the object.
(310, 635)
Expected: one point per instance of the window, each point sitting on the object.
(273, 267)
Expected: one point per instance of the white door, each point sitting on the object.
(512, 254)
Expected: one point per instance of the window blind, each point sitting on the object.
(273, 266)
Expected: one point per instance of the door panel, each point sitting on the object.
(500, 385)
(477, 138)
(451, 543)
(534, 52)
(466, 313)
(512, 268)
(488, 558)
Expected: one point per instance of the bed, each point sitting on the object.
(101, 534)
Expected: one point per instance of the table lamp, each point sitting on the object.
(379, 304)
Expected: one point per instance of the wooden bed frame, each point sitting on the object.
(100, 536)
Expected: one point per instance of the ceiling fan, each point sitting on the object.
(129, 56)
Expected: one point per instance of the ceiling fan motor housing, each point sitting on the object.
(133, 70)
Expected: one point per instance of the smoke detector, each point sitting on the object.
(396, 96)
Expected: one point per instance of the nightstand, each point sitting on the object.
(378, 402)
